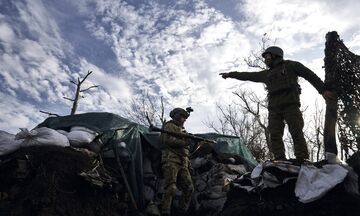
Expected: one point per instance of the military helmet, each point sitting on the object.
(273, 50)
(179, 111)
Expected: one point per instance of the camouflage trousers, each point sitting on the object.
(176, 174)
(293, 118)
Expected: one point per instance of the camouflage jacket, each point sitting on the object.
(174, 149)
(282, 82)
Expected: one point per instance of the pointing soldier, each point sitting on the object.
(281, 80)
(175, 162)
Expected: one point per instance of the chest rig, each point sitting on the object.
(282, 78)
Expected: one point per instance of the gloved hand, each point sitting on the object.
(329, 95)
(225, 75)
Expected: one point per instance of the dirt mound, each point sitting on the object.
(50, 180)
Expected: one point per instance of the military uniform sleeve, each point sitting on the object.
(172, 141)
(310, 76)
(250, 76)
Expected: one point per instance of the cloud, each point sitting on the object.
(30, 64)
(171, 52)
(354, 43)
(6, 33)
(36, 18)
(298, 24)
(17, 114)
(112, 83)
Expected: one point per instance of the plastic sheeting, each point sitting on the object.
(313, 183)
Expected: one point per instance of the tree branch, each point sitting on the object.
(69, 99)
(94, 86)
(88, 73)
(49, 113)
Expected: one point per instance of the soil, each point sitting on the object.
(45, 181)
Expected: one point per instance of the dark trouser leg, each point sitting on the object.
(294, 119)
(276, 128)
(186, 186)
(170, 172)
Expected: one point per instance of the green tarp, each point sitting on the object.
(115, 129)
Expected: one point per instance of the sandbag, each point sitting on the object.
(63, 132)
(8, 144)
(80, 136)
(41, 136)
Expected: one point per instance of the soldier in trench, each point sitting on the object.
(175, 163)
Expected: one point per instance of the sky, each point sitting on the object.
(169, 48)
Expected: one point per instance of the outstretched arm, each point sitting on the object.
(246, 76)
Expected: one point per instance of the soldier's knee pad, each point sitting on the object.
(171, 189)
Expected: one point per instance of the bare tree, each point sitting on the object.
(77, 95)
(255, 59)
(314, 133)
(146, 105)
(244, 118)
(78, 84)
(252, 104)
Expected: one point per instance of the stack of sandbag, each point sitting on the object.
(152, 188)
(211, 177)
(79, 136)
(41, 136)
(152, 176)
(37, 137)
(211, 174)
(82, 137)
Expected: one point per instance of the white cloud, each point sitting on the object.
(40, 25)
(6, 33)
(111, 95)
(354, 44)
(112, 84)
(298, 24)
(17, 114)
(176, 52)
(31, 66)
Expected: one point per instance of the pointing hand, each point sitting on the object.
(224, 75)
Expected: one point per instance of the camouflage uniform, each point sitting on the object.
(175, 166)
(283, 102)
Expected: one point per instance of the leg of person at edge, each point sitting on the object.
(175, 163)
(281, 80)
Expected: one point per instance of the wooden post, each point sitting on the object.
(329, 128)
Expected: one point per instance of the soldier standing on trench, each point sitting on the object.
(281, 80)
